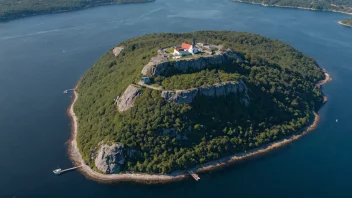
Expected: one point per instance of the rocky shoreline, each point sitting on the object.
(341, 23)
(77, 159)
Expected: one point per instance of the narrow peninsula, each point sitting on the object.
(346, 22)
(321, 5)
(159, 106)
(14, 9)
(344, 7)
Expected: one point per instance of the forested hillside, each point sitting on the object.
(282, 95)
(12, 9)
(324, 5)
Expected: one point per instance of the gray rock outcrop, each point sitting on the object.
(110, 158)
(159, 65)
(117, 50)
(216, 90)
(156, 64)
(126, 101)
(200, 63)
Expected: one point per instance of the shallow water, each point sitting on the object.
(42, 56)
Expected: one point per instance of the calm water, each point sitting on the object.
(42, 56)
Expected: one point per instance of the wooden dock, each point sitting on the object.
(67, 90)
(195, 176)
(59, 171)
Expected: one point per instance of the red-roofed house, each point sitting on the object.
(186, 49)
(186, 46)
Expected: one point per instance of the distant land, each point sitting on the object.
(342, 6)
(346, 22)
(159, 105)
(14, 9)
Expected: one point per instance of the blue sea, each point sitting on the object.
(42, 56)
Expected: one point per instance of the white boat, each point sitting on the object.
(337, 120)
(57, 171)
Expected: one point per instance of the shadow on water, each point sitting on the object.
(244, 163)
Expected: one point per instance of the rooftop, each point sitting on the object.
(186, 46)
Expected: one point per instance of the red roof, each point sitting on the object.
(186, 46)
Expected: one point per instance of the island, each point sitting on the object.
(14, 9)
(160, 106)
(346, 22)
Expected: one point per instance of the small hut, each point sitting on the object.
(145, 80)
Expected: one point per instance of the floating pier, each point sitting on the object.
(195, 176)
(60, 171)
(67, 90)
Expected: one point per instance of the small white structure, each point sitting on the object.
(145, 80)
(179, 51)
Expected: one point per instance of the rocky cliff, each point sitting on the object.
(159, 66)
(159, 61)
(110, 158)
(216, 90)
(117, 50)
(126, 101)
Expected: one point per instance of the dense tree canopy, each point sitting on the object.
(11, 9)
(282, 95)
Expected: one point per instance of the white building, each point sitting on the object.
(179, 51)
(186, 49)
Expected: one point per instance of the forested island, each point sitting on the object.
(346, 22)
(253, 91)
(343, 6)
(13, 9)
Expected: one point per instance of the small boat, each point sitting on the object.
(337, 120)
(57, 171)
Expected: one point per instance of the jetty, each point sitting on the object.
(195, 176)
(60, 171)
(67, 90)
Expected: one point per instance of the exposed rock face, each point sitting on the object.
(159, 62)
(126, 101)
(159, 65)
(180, 96)
(110, 158)
(216, 90)
(200, 63)
(116, 51)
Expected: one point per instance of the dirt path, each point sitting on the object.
(150, 86)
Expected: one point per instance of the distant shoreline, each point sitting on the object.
(292, 7)
(21, 15)
(77, 159)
